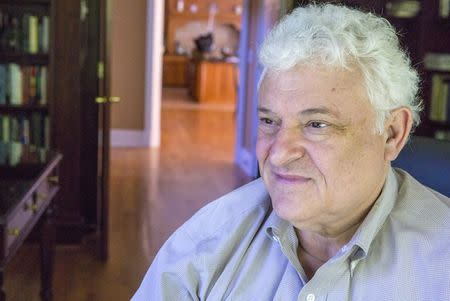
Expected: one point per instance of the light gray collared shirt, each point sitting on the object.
(237, 248)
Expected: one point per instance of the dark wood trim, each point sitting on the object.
(22, 58)
(21, 109)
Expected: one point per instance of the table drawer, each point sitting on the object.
(33, 207)
(16, 225)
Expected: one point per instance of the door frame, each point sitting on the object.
(150, 136)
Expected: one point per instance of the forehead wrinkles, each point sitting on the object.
(293, 80)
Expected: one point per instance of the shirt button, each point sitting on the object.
(310, 297)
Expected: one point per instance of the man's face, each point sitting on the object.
(319, 155)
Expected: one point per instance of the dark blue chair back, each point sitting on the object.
(428, 160)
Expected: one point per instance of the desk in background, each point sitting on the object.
(213, 81)
(28, 185)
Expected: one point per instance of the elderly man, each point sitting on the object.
(330, 219)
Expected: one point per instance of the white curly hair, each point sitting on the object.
(335, 35)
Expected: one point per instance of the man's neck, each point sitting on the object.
(324, 247)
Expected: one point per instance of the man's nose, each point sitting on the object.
(287, 147)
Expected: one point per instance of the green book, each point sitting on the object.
(3, 83)
(15, 81)
(33, 39)
(6, 131)
(36, 126)
(24, 33)
(45, 33)
(43, 85)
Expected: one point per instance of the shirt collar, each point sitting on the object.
(377, 215)
(276, 227)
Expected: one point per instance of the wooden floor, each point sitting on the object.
(153, 191)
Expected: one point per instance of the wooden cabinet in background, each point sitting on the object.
(174, 71)
(213, 81)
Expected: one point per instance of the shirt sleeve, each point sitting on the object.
(174, 274)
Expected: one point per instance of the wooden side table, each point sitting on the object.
(213, 81)
(28, 185)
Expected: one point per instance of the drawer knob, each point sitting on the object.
(53, 180)
(42, 196)
(32, 207)
(14, 232)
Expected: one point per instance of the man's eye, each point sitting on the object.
(317, 124)
(265, 120)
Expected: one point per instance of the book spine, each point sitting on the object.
(25, 85)
(434, 105)
(6, 130)
(43, 85)
(45, 34)
(14, 129)
(447, 83)
(33, 42)
(25, 131)
(46, 133)
(33, 84)
(444, 8)
(16, 84)
(25, 33)
(3, 83)
(36, 125)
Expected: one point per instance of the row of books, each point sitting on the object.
(12, 154)
(30, 129)
(444, 8)
(440, 98)
(23, 85)
(403, 8)
(442, 135)
(24, 33)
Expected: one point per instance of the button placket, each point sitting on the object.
(310, 297)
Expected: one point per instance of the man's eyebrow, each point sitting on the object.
(319, 110)
(310, 111)
(264, 110)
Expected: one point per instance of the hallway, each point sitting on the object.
(152, 192)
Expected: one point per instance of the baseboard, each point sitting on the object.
(129, 138)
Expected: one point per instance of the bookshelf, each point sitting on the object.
(424, 28)
(58, 108)
(24, 60)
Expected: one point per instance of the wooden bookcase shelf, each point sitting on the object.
(22, 109)
(23, 58)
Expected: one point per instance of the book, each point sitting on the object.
(46, 133)
(32, 83)
(33, 39)
(442, 135)
(5, 127)
(25, 84)
(15, 82)
(43, 85)
(44, 37)
(14, 129)
(439, 98)
(3, 84)
(437, 61)
(24, 130)
(444, 8)
(37, 130)
(24, 33)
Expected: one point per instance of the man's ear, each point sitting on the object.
(398, 128)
